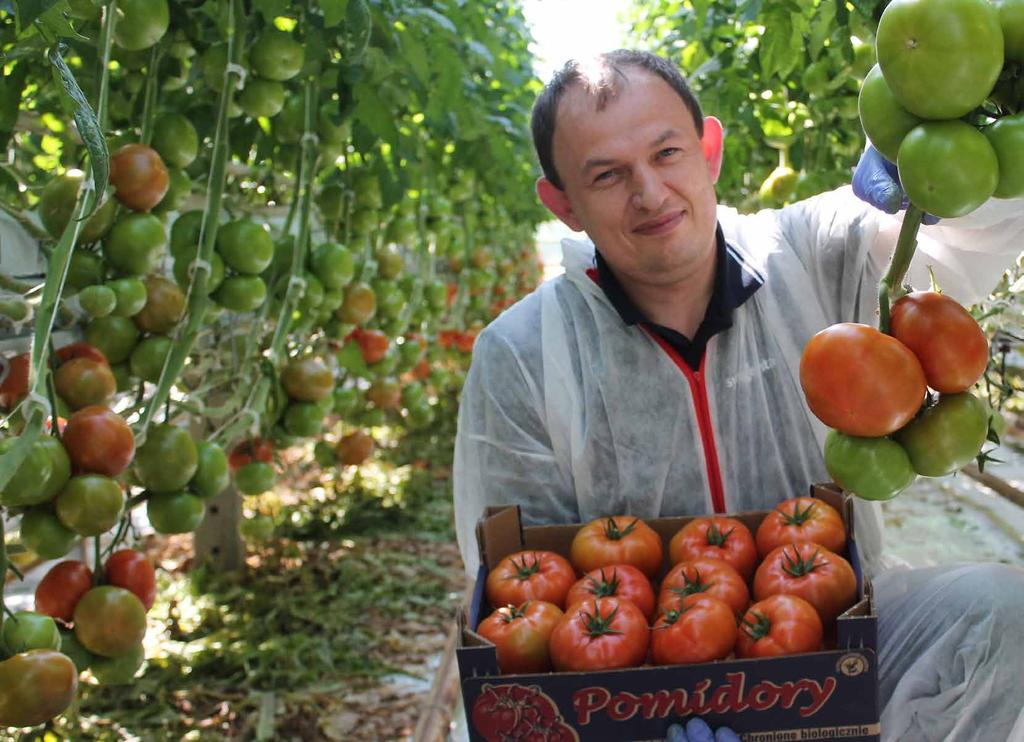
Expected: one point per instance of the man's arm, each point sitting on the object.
(503, 453)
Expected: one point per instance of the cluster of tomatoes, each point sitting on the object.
(872, 389)
(599, 609)
(923, 105)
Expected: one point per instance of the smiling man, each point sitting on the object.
(659, 375)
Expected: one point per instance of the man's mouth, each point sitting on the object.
(660, 225)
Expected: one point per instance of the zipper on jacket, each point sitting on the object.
(699, 392)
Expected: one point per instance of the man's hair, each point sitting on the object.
(603, 78)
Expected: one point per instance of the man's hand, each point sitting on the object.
(877, 182)
(698, 731)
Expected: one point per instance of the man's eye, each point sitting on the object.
(668, 151)
(606, 175)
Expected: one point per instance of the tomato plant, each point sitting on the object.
(530, 575)
(715, 538)
(603, 634)
(620, 539)
(521, 635)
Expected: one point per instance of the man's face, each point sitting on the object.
(636, 179)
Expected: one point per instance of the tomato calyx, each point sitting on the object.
(716, 536)
(523, 570)
(614, 533)
(757, 629)
(691, 586)
(597, 625)
(604, 587)
(795, 566)
(671, 616)
(798, 517)
(510, 613)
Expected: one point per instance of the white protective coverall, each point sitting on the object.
(572, 414)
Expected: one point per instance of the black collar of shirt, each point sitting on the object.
(735, 282)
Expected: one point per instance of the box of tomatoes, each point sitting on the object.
(612, 630)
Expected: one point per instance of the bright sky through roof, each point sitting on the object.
(572, 29)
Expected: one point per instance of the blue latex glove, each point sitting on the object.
(698, 731)
(877, 182)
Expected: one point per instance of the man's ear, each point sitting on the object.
(712, 145)
(558, 203)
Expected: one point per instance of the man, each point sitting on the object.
(659, 375)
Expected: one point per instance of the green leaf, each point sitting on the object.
(75, 104)
(436, 17)
(57, 22)
(29, 10)
(374, 114)
(271, 9)
(416, 55)
(821, 28)
(334, 11)
(359, 25)
(11, 87)
(781, 46)
(481, 51)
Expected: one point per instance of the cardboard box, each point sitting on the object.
(821, 695)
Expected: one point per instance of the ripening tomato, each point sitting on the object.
(59, 591)
(255, 449)
(521, 635)
(715, 537)
(530, 575)
(164, 307)
(110, 621)
(860, 381)
(809, 571)
(600, 634)
(801, 519)
(15, 380)
(131, 570)
(80, 350)
(947, 435)
(35, 686)
(946, 339)
(372, 343)
(713, 577)
(779, 625)
(307, 379)
(167, 460)
(90, 504)
(619, 539)
(701, 629)
(139, 177)
(99, 440)
(83, 382)
(354, 448)
(618, 580)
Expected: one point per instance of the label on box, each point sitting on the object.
(802, 697)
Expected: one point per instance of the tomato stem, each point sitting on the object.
(757, 629)
(611, 529)
(149, 94)
(717, 537)
(798, 517)
(598, 625)
(891, 286)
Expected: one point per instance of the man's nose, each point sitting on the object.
(649, 191)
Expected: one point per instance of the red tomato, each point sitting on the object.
(373, 344)
(139, 177)
(950, 345)
(80, 350)
(14, 385)
(83, 382)
(99, 441)
(131, 570)
(715, 537)
(530, 575)
(779, 625)
(809, 571)
(521, 635)
(713, 577)
(600, 634)
(619, 539)
(701, 629)
(801, 519)
(256, 449)
(58, 592)
(860, 381)
(621, 581)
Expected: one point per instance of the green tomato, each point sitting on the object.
(176, 140)
(43, 534)
(255, 478)
(135, 244)
(212, 474)
(167, 460)
(57, 203)
(871, 468)
(130, 296)
(147, 359)
(241, 293)
(97, 300)
(257, 529)
(413, 394)
(1007, 139)
(331, 202)
(110, 621)
(86, 269)
(90, 504)
(940, 58)
(350, 358)
(140, 23)
(420, 415)
(71, 648)
(185, 233)
(885, 121)
(179, 188)
(262, 98)
(118, 670)
(346, 400)
(276, 56)
(27, 630)
(303, 419)
(1011, 19)
(175, 512)
(114, 336)
(323, 454)
(333, 264)
(28, 486)
(213, 65)
(60, 466)
(946, 436)
(245, 246)
(213, 280)
(123, 376)
(948, 168)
